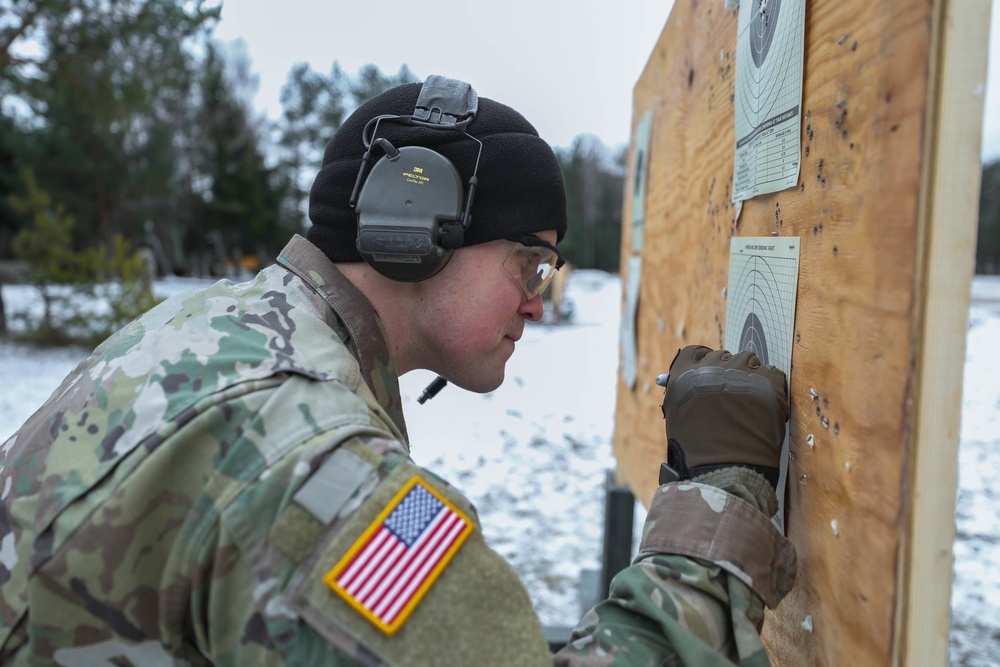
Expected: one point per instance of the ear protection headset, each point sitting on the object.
(410, 208)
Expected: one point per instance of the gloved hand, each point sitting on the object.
(722, 410)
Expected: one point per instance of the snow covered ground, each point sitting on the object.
(533, 454)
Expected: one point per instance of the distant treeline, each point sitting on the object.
(132, 119)
(988, 245)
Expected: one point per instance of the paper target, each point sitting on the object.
(760, 313)
(765, 63)
(769, 55)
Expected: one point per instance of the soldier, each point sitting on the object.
(226, 480)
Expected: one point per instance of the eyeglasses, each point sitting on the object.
(532, 263)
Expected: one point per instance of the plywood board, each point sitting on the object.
(885, 210)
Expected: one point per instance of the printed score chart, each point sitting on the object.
(768, 161)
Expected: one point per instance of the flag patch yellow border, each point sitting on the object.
(392, 565)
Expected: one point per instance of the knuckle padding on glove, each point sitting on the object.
(715, 379)
(724, 416)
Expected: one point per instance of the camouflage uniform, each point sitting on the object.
(183, 495)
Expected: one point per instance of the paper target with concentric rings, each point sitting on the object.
(760, 313)
(770, 45)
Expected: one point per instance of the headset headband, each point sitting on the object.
(443, 101)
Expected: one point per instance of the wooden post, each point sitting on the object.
(885, 208)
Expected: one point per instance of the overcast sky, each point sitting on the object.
(568, 65)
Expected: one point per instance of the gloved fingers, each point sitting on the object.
(750, 362)
(699, 356)
(745, 359)
(715, 358)
(688, 356)
(694, 356)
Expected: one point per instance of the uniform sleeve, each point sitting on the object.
(360, 557)
(286, 583)
(708, 563)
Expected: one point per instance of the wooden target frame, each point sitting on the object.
(885, 209)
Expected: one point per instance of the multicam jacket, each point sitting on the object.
(205, 489)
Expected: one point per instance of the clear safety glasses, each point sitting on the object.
(532, 263)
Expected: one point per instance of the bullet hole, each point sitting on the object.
(854, 46)
(807, 151)
(802, 187)
(691, 78)
(894, 127)
(819, 411)
(835, 251)
(815, 230)
(888, 97)
(826, 402)
(824, 421)
(852, 145)
(798, 336)
(836, 428)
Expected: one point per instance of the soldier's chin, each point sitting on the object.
(481, 383)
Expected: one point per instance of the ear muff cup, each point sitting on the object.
(409, 214)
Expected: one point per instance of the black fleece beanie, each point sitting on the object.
(520, 189)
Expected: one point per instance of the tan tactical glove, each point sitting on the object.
(722, 410)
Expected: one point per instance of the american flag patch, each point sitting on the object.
(392, 565)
